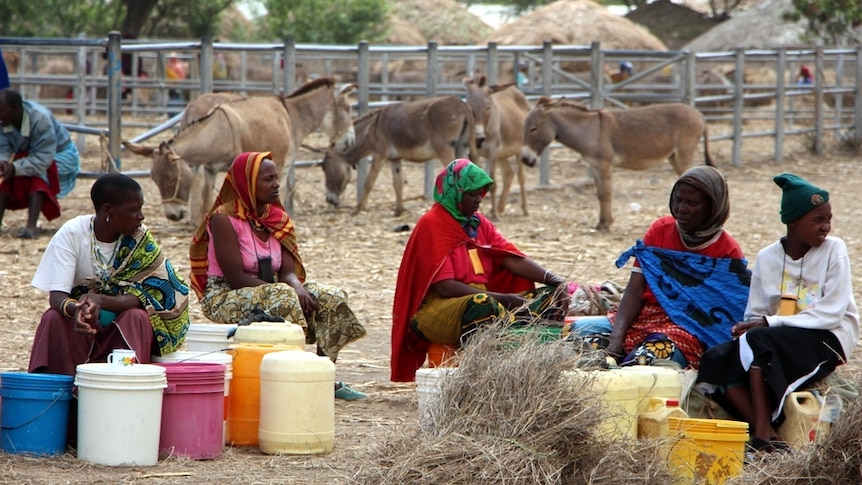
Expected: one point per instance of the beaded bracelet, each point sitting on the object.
(64, 308)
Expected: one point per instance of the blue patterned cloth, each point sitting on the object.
(705, 296)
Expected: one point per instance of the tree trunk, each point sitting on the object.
(137, 13)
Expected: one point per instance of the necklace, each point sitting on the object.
(256, 225)
(798, 279)
(100, 262)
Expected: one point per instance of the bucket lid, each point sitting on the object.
(101, 369)
(191, 356)
(34, 381)
(202, 369)
(223, 329)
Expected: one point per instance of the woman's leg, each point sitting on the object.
(333, 325)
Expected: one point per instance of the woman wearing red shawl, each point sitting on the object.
(459, 272)
(245, 258)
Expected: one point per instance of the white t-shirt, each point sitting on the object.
(821, 280)
(69, 259)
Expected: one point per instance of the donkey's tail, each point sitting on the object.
(708, 159)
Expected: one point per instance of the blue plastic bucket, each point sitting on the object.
(34, 412)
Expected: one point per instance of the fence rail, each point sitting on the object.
(386, 74)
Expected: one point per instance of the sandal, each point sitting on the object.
(343, 391)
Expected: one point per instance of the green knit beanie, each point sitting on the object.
(798, 197)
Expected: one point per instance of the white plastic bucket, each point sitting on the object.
(209, 337)
(119, 413)
(210, 357)
(297, 403)
(428, 385)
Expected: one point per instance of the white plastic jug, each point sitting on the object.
(275, 333)
(297, 403)
(802, 424)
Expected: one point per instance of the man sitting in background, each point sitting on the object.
(38, 161)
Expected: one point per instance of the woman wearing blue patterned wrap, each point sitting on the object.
(109, 285)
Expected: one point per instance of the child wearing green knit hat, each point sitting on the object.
(801, 321)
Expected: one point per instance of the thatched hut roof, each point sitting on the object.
(577, 22)
(445, 21)
(676, 25)
(402, 32)
(757, 27)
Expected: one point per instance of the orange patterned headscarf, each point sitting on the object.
(238, 198)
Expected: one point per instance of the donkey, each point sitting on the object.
(635, 139)
(499, 112)
(439, 128)
(259, 123)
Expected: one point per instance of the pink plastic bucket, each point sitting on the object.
(192, 410)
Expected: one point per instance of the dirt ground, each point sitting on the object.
(362, 254)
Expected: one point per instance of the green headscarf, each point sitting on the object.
(459, 177)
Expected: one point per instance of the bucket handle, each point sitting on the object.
(56, 397)
(187, 359)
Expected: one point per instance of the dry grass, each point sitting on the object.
(445, 21)
(578, 22)
(510, 415)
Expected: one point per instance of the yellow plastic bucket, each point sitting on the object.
(706, 450)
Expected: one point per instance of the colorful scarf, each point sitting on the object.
(238, 198)
(459, 177)
(705, 296)
(141, 269)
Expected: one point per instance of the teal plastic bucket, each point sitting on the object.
(34, 412)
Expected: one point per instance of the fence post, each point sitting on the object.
(115, 88)
(818, 101)
(206, 64)
(362, 79)
(689, 79)
(493, 59)
(780, 70)
(738, 105)
(81, 94)
(547, 74)
(289, 81)
(431, 86)
(597, 61)
(857, 108)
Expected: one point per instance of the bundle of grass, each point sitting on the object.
(509, 415)
(836, 460)
(445, 21)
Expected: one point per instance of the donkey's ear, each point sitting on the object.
(138, 149)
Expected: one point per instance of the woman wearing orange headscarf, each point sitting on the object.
(245, 258)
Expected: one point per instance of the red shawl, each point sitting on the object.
(436, 234)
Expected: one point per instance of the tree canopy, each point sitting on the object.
(832, 19)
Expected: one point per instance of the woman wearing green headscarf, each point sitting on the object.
(458, 272)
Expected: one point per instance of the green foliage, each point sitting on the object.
(832, 19)
(326, 21)
(57, 18)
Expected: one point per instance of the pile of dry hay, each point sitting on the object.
(506, 416)
(577, 22)
(445, 21)
(836, 460)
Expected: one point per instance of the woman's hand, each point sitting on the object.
(742, 327)
(306, 301)
(87, 314)
(511, 301)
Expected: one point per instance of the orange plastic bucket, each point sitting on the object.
(440, 355)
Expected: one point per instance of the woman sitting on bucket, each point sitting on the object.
(458, 272)
(245, 260)
(110, 286)
(688, 284)
(801, 320)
